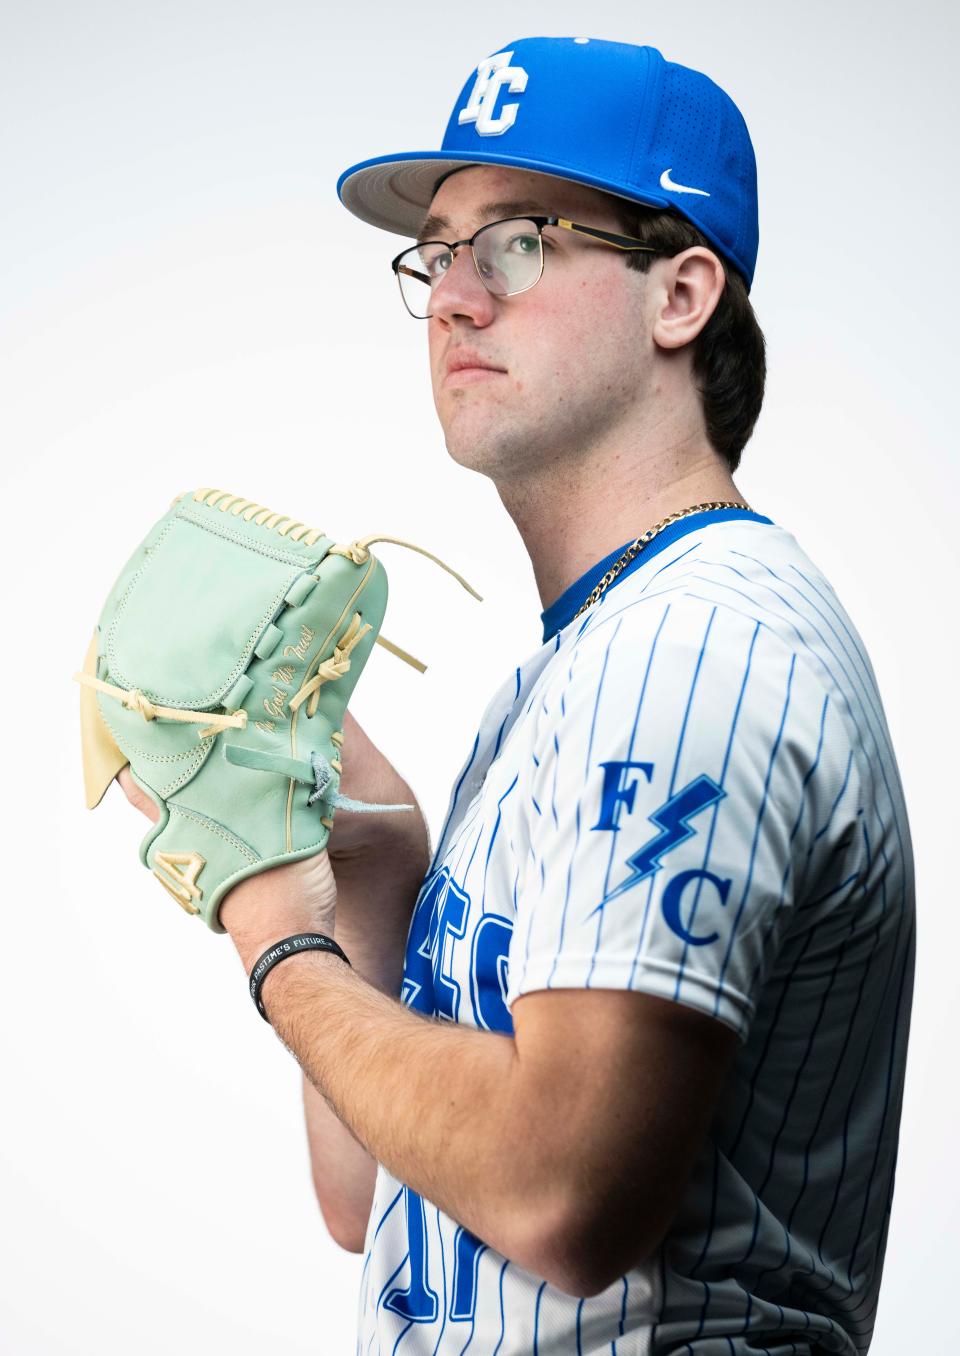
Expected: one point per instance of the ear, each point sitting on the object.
(690, 286)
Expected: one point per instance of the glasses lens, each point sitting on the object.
(418, 271)
(509, 256)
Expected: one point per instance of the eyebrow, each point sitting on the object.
(490, 211)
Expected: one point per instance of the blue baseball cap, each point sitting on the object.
(609, 115)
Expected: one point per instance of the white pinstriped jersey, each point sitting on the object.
(689, 791)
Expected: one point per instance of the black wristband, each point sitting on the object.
(287, 946)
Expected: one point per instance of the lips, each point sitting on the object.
(464, 359)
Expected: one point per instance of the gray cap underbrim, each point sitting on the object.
(395, 194)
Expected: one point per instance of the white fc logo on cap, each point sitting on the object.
(492, 75)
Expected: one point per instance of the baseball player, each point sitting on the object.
(619, 1066)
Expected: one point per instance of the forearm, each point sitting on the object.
(343, 1172)
(441, 1106)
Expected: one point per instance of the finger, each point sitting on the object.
(136, 796)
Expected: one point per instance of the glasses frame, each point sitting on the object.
(620, 242)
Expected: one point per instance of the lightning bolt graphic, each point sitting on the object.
(672, 819)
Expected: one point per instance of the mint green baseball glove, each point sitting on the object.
(220, 670)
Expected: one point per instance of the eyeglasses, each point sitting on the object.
(507, 254)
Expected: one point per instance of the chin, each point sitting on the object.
(472, 455)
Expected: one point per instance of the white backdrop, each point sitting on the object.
(183, 302)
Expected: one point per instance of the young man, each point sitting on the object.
(630, 1077)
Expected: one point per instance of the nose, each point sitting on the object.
(461, 294)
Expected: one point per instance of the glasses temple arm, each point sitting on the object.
(412, 273)
(620, 242)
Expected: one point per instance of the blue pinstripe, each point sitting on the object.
(835, 806)
(503, 723)
(686, 714)
(587, 766)
(503, 1321)
(756, 832)
(837, 1069)
(878, 750)
(396, 1272)
(376, 1233)
(493, 836)
(868, 688)
(808, 775)
(536, 1321)
(669, 564)
(865, 677)
(402, 1334)
(453, 804)
(566, 898)
(798, 1074)
(851, 1023)
(633, 735)
(716, 809)
(553, 809)
(473, 1327)
(879, 1139)
(643, 931)
(596, 704)
(768, 1042)
(553, 792)
(476, 844)
(877, 742)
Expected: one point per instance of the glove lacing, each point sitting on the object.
(318, 771)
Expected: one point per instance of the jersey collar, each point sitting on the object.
(562, 611)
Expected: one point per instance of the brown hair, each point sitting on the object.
(729, 363)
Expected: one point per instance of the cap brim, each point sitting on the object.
(395, 191)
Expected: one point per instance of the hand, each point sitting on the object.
(137, 798)
(296, 897)
(378, 862)
(355, 838)
(359, 839)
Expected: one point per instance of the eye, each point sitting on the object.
(522, 244)
(436, 262)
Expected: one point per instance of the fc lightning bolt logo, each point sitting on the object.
(672, 819)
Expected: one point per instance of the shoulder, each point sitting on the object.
(678, 669)
(754, 572)
(735, 598)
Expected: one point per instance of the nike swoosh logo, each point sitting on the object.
(667, 182)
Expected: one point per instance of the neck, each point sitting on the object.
(573, 513)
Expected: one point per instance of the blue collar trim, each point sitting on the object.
(562, 611)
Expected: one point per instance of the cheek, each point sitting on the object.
(596, 334)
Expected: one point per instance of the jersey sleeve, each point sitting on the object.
(682, 762)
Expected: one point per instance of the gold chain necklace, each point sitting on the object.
(637, 546)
